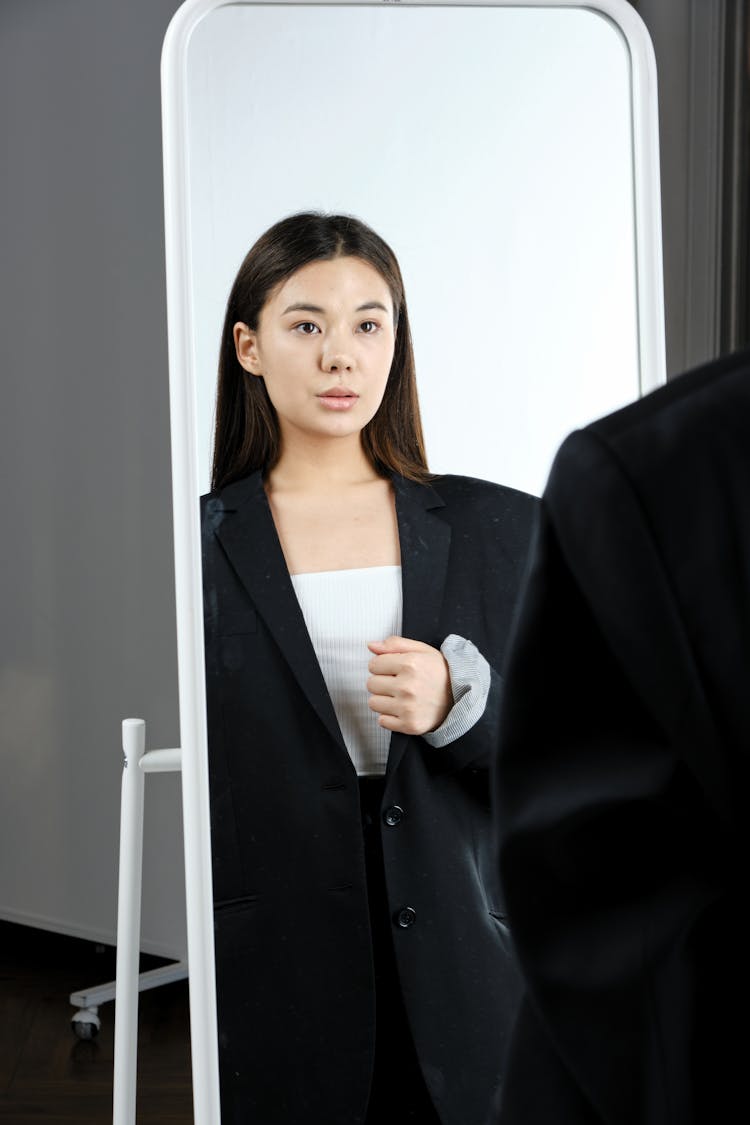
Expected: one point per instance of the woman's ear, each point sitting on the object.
(246, 346)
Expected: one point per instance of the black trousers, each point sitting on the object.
(398, 1093)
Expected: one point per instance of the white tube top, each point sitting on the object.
(343, 610)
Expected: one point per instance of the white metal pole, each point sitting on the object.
(128, 924)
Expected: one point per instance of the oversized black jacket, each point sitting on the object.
(293, 949)
(622, 780)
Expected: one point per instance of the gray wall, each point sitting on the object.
(87, 625)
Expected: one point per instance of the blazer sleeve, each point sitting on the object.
(476, 748)
(603, 825)
(500, 524)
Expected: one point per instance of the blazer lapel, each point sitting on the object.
(425, 546)
(248, 535)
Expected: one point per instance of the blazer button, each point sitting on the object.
(393, 816)
(405, 917)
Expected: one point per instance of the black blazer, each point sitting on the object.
(293, 950)
(623, 768)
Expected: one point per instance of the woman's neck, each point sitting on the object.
(333, 465)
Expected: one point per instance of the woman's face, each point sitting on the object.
(324, 346)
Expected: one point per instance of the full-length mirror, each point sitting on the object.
(500, 163)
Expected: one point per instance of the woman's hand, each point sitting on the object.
(409, 685)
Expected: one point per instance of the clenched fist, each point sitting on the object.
(409, 685)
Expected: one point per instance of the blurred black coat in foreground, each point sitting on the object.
(623, 768)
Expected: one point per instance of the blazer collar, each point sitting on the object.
(253, 548)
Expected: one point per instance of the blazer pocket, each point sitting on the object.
(501, 918)
(235, 929)
(242, 902)
(235, 631)
(504, 934)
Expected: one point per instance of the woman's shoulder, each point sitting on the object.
(480, 494)
(484, 510)
(232, 495)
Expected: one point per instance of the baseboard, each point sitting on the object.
(100, 936)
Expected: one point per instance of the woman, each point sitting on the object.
(356, 616)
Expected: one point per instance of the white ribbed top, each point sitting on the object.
(343, 610)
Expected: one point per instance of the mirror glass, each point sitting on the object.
(491, 147)
(507, 153)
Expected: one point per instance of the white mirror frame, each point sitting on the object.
(185, 470)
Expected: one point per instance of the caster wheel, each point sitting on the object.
(85, 1023)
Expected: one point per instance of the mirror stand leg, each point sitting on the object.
(128, 924)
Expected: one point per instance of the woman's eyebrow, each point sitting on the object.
(302, 306)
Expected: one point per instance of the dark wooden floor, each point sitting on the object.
(46, 1073)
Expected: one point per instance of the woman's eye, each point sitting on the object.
(306, 328)
(368, 327)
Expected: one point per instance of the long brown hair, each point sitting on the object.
(247, 435)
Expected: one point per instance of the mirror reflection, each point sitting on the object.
(360, 565)
(492, 147)
(353, 649)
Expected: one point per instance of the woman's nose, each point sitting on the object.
(335, 360)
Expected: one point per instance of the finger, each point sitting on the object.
(381, 685)
(383, 705)
(390, 722)
(389, 664)
(398, 644)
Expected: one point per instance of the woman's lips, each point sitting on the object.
(338, 398)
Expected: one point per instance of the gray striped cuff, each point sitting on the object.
(470, 683)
